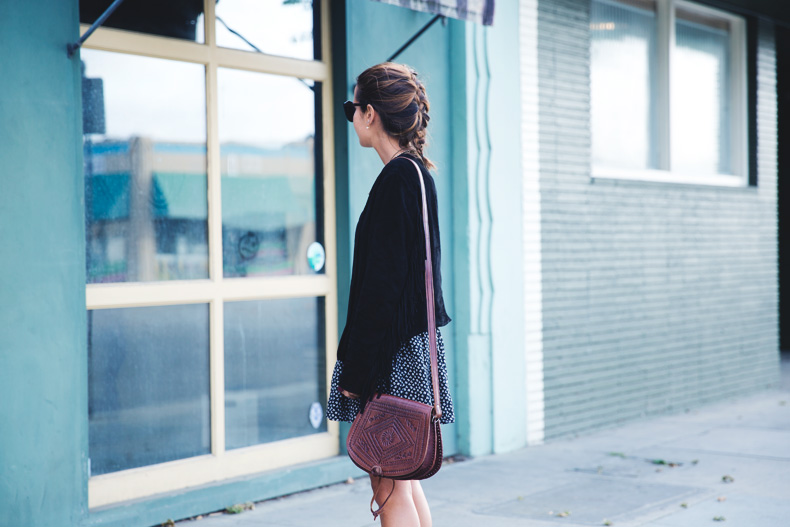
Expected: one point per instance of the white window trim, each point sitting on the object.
(221, 464)
(739, 118)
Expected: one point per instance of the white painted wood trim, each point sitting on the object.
(531, 220)
(665, 176)
(121, 41)
(104, 296)
(665, 19)
(183, 474)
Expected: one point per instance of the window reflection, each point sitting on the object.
(274, 370)
(275, 27)
(145, 168)
(148, 385)
(267, 129)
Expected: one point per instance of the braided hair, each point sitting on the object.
(399, 98)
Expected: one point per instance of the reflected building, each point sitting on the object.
(147, 212)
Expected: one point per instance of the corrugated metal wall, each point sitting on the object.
(656, 297)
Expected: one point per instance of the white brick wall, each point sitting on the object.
(655, 297)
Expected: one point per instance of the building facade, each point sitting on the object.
(179, 203)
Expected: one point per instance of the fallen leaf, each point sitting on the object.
(520, 498)
(617, 454)
(727, 479)
(240, 507)
(169, 523)
(607, 522)
(694, 461)
(666, 463)
(564, 514)
(349, 481)
(721, 498)
(684, 505)
(719, 518)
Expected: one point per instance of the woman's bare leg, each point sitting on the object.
(421, 504)
(400, 510)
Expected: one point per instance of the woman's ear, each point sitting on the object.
(370, 115)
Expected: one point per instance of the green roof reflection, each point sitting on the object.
(180, 196)
(109, 196)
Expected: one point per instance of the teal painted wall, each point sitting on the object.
(503, 110)
(488, 234)
(43, 365)
(375, 31)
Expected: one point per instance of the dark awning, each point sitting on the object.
(480, 11)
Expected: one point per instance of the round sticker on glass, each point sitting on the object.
(316, 256)
(316, 415)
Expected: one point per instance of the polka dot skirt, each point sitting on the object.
(411, 379)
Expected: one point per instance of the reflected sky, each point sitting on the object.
(264, 110)
(273, 26)
(166, 86)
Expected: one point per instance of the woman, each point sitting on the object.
(384, 346)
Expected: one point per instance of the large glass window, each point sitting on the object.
(210, 293)
(145, 169)
(668, 92)
(283, 27)
(268, 171)
(701, 94)
(274, 386)
(623, 83)
(148, 385)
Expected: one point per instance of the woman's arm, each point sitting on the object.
(388, 244)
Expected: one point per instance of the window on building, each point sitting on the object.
(209, 212)
(668, 92)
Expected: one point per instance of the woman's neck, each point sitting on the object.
(387, 148)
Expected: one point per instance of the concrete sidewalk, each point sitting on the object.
(726, 464)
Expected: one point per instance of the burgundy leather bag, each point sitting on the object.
(398, 438)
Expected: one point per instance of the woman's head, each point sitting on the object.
(398, 97)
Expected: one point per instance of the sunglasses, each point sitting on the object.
(348, 108)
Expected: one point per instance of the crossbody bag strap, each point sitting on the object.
(429, 299)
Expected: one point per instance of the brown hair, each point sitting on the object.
(399, 97)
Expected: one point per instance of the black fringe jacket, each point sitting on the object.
(386, 305)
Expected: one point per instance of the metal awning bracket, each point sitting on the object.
(72, 47)
(416, 36)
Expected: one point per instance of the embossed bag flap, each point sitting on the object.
(393, 439)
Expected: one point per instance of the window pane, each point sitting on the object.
(146, 207)
(148, 385)
(267, 130)
(182, 19)
(281, 27)
(701, 95)
(622, 84)
(274, 370)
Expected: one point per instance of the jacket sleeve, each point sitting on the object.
(390, 238)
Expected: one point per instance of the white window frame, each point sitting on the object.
(739, 119)
(222, 464)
